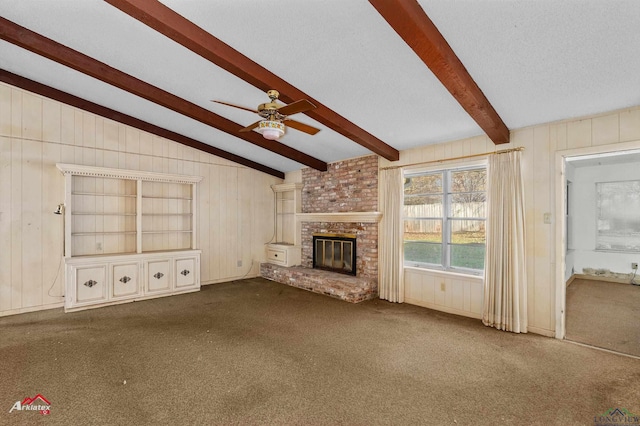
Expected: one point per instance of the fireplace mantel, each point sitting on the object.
(367, 217)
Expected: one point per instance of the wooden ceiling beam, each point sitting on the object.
(85, 105)
(166, 21)
(36, 43)
(411, 23)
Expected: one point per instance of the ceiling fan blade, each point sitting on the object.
(298, 106)
(250, 127)
(301, 126)
(235, 106)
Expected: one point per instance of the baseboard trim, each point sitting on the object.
(541, 331)
(229, 279)
(601, 278)
(443, 308)
(31, 309)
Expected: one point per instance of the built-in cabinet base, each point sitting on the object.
(284, 254)
(95, 281)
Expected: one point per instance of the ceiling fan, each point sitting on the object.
(274, 116)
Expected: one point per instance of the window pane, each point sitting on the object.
(423, 184)
(423, 252)
(618, 223)
(428, 230)
(467, 256)
(471, 204)
(423, 206)
(467, 244)
(469, 180)
(423, 241)
(467, 231)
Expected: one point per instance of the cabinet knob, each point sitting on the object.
(91, 283)
(158, 275)
(185, 272)
(275, 255)
(125, 279)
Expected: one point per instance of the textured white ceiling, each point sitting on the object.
(536, 61)
(543, 60)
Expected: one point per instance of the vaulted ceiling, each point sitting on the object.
(385, 75)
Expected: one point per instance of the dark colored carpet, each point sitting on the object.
(604, 314)
(258, 352)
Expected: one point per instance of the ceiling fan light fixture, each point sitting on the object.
(271, 129)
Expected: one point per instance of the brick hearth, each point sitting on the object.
(343, 287)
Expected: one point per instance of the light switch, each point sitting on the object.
(547, 218)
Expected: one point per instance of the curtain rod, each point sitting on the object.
(503, 151)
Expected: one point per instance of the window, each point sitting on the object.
(618, 210)
(444, 219)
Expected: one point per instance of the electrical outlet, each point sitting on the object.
(239, 263)
(442, 286)
(634, 265)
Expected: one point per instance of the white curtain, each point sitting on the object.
(391, 251)
(505, 287)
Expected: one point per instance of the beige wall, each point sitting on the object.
(541, 144)
(235, 211)
(235, 215)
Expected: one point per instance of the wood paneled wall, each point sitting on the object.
(541, 144)
(235, 206)
(453, 293)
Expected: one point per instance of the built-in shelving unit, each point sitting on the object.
(129, 235)
(286, 251)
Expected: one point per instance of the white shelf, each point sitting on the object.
(102, 194)
(287, 250)
(102, 214)
(84, 234)
(145, 197)
(166, 214)
(168, 231)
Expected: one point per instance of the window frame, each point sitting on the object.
(446, 218)
(598, 201)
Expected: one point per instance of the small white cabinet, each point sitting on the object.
(283, 254)
(157, 276)
(125, 280)
(89, 284)
(185, 272)
(129, 235)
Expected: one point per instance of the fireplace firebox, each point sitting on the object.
(335, 252)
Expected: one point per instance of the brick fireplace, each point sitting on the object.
(342, 200)
(367, 243)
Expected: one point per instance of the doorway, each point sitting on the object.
(596, 304)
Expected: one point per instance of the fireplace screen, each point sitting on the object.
(335, 252)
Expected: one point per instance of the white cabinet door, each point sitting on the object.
(90, 284)
(124, 280)
(157, 276)
(277, 256)
(185, 272)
